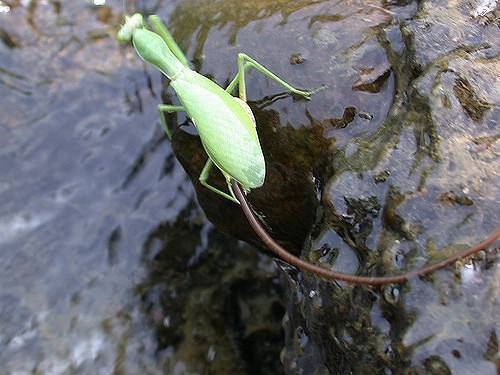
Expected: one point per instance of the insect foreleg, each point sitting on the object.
(245, 62)
(163, 32)
(204, 177)
(169, 109)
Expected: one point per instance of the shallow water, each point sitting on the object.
(107, 263)
(91, 197)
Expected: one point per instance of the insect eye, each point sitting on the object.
(136, 21)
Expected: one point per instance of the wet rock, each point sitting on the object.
(394, 193)
(370, 80)
(438, 31)
(365, 115)
(474, 106)
(294, 158)
(382, 176)
(483, 7)
(9, 40)
(240, 331)
(347, 118)
(451, 197)
(297, 58)
(432, 157)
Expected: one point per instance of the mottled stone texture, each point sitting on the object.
(398, 161)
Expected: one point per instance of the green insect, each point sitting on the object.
(225, 124)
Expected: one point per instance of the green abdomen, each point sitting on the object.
(227, 131)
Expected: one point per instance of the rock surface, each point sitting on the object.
(411, 181)
(108, 265)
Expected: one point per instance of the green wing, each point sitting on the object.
(226, 130)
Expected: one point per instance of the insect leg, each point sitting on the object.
(203, 180)
(163, 32)
(169, 109)
(245, 62)
(233, 83)
(229, 181)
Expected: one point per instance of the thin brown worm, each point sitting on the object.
(332, 275)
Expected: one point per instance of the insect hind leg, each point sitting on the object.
(204, 177)
(244, 62)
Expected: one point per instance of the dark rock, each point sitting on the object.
(296, 59)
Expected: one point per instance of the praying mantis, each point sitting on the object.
(228, 133)
(225, 124)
